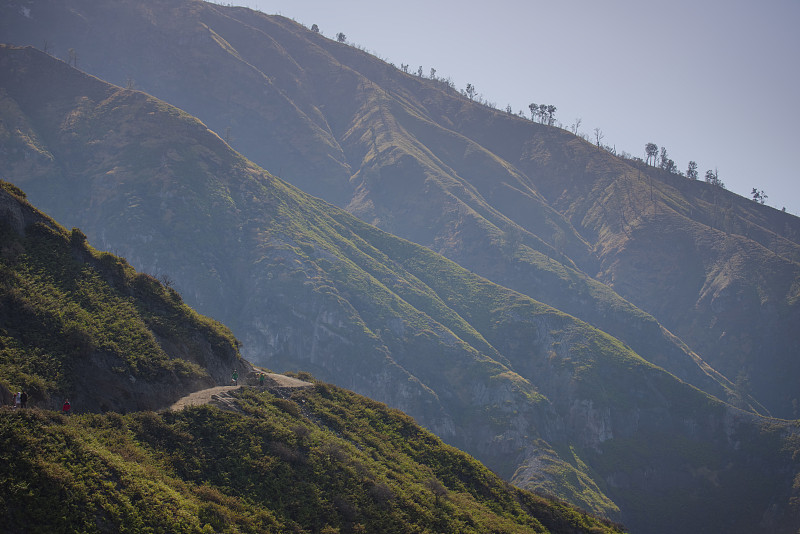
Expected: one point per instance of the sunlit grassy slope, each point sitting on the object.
(84, 324)
(318, 460)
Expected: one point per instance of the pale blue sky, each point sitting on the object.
(712, 81)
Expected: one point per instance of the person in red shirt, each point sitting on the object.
(66, 407)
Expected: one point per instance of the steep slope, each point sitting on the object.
(322, 460)
(84, 325)
(720, 271)
(528, 206)
(540, 397)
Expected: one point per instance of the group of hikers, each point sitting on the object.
(21, 401)
(259, 376)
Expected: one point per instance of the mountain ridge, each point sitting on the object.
(305, 107)
(537, 390)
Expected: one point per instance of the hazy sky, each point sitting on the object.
(712, 81)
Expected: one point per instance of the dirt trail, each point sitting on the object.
(219, 394)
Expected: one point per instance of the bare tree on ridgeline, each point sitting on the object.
(691, 171)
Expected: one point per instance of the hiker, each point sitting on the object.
(234, 377)
(23, 399)
(66, 407)
(261, 379)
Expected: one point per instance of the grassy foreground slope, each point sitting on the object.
(321, 460)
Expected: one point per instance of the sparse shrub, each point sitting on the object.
(77, 238)
(287, 406)
(303, 375)
(302, 432)
(436, 487)
(285, 453)
(381, 493)
(323, 390)
(334, 451)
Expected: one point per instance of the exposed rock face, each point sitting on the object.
(591, 426)
(16, 213)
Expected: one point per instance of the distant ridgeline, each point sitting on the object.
(587, 326)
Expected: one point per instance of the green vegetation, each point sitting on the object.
(319, 460)
(64, 305)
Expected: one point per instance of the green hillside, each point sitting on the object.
(320, 460)
(85, 325)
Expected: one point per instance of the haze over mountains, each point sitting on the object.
(685, 276)
(283, 455)
(421, 162)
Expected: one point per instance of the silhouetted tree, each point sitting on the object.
(433, 73)
(758, 196)
(666, 163)
(470, 91)
(598, 135)
(315, 28)
(419, 71)
(166, 280)
(651, 150)
(691, 171)
(712, 177)
(551, 113)
(404, 67)
(340, 37)
(77, 237)
(534, 110)
(575, 126)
